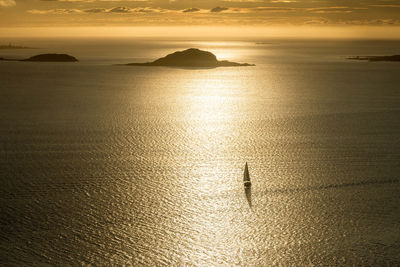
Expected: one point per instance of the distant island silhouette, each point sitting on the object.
(52, 58)
(11, 46)
(47, 58)
(191, 58)
(394, 58)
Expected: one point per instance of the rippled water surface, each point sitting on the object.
(103, 164)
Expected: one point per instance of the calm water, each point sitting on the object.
(116, 165)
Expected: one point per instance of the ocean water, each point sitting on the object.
(113, 165)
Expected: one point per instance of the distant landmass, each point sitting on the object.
(8, 59)
(47, 58)
(10, 46)
(191, 57)
(52, 58)
(394, 58)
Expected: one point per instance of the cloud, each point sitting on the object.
(120, 9)
(95, 10)
(229, 12)
(113, 10)
(218, 9)
(334, 9)
(133, 10)
(7, 3)
(316, 21)
(254, 12)
(59, 11)
(193, 9)
(386, 6)
(385, 22)
(274, 9)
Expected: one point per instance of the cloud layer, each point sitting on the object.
(205, 12)
(7, 3)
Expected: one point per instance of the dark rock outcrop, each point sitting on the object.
(394, 58)
(52, 58)
(191, 58)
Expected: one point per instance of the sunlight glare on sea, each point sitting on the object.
(103, 164)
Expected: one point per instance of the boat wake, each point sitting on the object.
(331, 186)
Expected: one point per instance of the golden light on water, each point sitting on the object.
(118, 165)
(211, 107)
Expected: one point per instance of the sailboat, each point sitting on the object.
(246, 176)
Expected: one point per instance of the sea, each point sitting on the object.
(103, 164)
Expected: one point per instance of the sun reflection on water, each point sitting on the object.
(211, 110)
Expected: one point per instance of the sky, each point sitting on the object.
(381, 17)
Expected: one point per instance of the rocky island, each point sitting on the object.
(52, 58)
(191, 58)
(394, 58)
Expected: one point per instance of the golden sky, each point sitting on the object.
(244, 13)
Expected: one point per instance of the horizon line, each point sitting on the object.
(219, 32)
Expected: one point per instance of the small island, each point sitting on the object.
(46, 58)
(191, 58)
(51, 58)
(394, 58)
